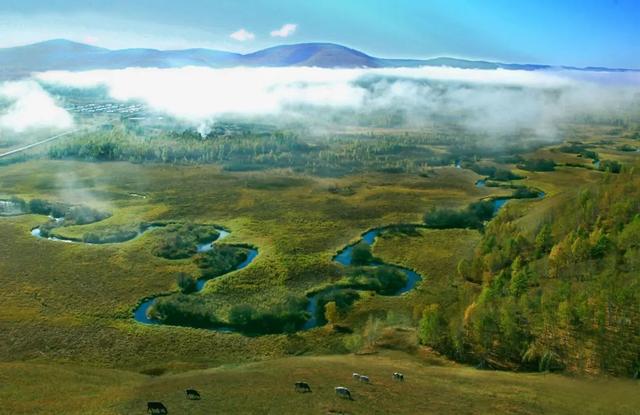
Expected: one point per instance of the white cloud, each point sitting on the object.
(30, 107)
(242, 35)
(493, 101)
(285, 31)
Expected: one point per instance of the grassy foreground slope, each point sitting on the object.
(267, 388)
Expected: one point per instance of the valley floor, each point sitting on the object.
(69, 343)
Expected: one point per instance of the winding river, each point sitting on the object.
(344, 257)
(208, 246)
(37, 232)
(140, 314)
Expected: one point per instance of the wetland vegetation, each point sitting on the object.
(369, 242)
(197, 231)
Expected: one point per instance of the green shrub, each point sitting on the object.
(361, 254)
(180, 241)
(471, 217)
(538, 165)
(494, 173)
(43, 207)
(610, 166)
(283, 318)
(433, 329)
(343, 298)
(222, 259)
(183, 310)
(110, 236)
(186, 283)
(525, 193)
(386, 280)
(83, 215)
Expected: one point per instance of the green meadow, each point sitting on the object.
(431, 386)
(89, 291)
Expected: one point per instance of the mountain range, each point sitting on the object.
(61, 54)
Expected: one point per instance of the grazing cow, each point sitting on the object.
(192, 394)
(364, 379)
(398, 376)
(302, 387)
(343, 392)
(356, 376)
(156, 408)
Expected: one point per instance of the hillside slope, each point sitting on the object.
(267, 387)
(561, 296)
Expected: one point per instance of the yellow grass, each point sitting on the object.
(267, 388)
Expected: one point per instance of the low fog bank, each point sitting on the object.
(496, 102)
(25, 105)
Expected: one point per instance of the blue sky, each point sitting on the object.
(570, 32)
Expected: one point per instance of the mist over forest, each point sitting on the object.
(497, 102)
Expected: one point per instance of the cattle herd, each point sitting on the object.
(158, 408)
(343, 391)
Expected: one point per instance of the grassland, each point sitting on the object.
(431, 387)
(73, 302)
(67, 308)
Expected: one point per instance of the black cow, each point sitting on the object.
(343, 392)
(192, 394)
(302, 387)
(156, 408)
(398, 376)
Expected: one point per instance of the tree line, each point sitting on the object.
(566, 297)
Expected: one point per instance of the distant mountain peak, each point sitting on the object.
(328, 55)
(64, 43)
(63, 54)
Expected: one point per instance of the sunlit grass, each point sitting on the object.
(267, 387)
(60, 293)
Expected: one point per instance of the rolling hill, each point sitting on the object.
(267, 387)
(60, 54)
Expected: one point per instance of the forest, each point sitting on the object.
(247, 147)
(563, 298)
